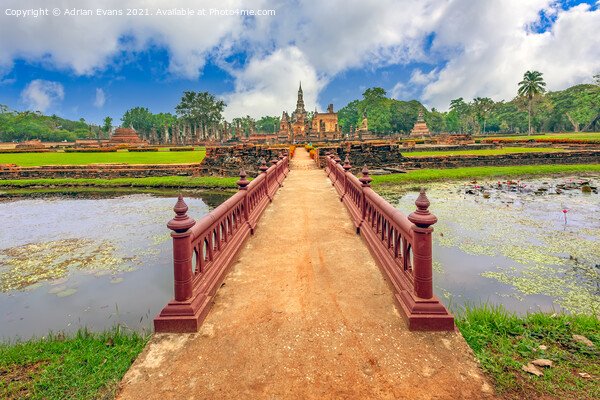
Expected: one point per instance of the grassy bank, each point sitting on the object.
(429, 175)
(571, 135)
(121, 156)
(83, 366)
(153, 182)
(504, 342)
(506, 150)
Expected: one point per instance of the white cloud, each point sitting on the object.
(491, 44)
(40, 95)
(267, 86)
(479, 48)
(100, 98)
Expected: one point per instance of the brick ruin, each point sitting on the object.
(389, 157)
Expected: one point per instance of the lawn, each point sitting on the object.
(568, 135)
(425, 175)
(505, 150)
(121, 156)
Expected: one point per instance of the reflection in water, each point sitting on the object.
(514, 246)
(68, 263)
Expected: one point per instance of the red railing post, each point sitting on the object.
(182, 251)
(327, 163)
(347, 169)
(263, 170)
(243, 183)
(422, 259)
(366, 183)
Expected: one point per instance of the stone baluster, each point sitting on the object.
(182, 251)
(421, 247)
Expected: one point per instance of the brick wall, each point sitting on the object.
(227, 161)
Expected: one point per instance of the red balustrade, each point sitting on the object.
(203, 251)
(401, 245)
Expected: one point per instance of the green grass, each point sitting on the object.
(426, 175)
(163, 181)
(505, 150)
(82, 366)
(121, 156)
(503, 342)
(571, 135)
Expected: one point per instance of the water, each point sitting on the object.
(511, 244)
(72, 263)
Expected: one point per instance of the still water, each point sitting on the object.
(72, 263)
(530, 245)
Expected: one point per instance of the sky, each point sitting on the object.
(91, 58)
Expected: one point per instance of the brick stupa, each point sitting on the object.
(420, 129)
(126, 136)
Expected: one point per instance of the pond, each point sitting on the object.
(530, 245)
(68, 263)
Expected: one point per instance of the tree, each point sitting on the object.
(462, 110)
(107, 124)
(200, 108)
(140, 118)
(267, 124)
(531, 86)
(482, 108)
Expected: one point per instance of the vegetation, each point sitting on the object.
(428, 175)
(504, 150)
(151, 182)
(143, 120)
(530, 87)
(504, 343)
(122, 156)
(200, 108)
(83, 366)
(27, 125)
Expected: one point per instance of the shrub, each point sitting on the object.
(94, 150)
(181, 149)
(142, 149)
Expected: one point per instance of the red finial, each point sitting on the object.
(181, 222)
(422, 217)
(365, 179)
(243, 182)
(263, 166)
(347, 166)
(337, 159)
(274, 161)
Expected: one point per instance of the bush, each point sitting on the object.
(94, 150)
(181, 149)
(24, 151)
(142, 149)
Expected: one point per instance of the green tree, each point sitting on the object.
(200, 108)
(462, 112)
(349, 115)
(107, 124)
(482, 107)
(267, 124)
(531, 86)
(140, 118)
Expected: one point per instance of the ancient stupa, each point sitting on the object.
(420, 129)
(125, 136)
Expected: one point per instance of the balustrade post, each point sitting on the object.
(182, 251)
(365, 180)
(327, 163)
(276, 170)
(422, 258)
(263, 170)
(347, 167)
(243, 183)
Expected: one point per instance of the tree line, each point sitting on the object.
(532, 109)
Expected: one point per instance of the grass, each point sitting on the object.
(505, 150)
(503, 342)
(427, 175)
(82, 366)
(150, 182)
(571, 135)
(121, 156)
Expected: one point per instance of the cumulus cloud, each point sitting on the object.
(267, 86)
(471, 47)
(40, 95)
(100, 98)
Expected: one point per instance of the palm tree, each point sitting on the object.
(531, 86)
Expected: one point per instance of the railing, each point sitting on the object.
(401, 245)
(203, 251)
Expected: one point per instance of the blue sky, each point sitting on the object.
(93, 66)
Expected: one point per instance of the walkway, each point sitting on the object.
(305, 314)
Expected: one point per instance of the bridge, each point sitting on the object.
(304, 284)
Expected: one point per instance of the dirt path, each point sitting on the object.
(305, 314)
